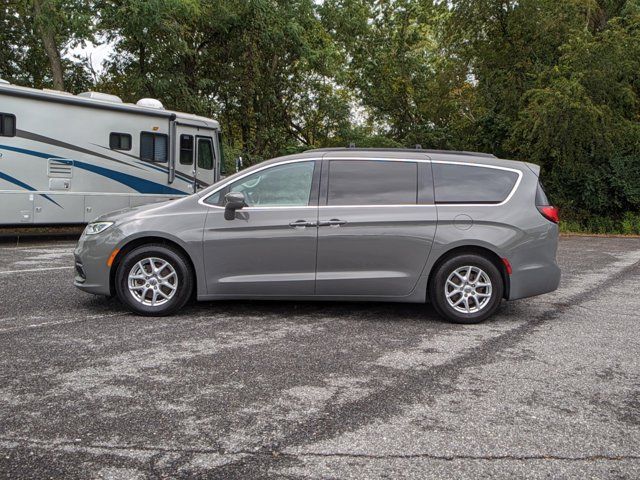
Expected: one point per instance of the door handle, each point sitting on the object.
(334, 222)
(302, 224)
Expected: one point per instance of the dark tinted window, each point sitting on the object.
(186, 149)
(205, 154)
(153, 147)
(370, 182)
(119, 141)
(471, 184)
(7, 125)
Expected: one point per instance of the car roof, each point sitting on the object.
(452, 156)
(418, 149)
(447, 156)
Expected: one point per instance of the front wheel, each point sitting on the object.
(466, 289)
(154, 280)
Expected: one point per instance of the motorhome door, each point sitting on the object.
(196, 156)
(205, 160)
(185, 166)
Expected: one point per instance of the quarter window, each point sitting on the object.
(7, 125)
(370, 182)
(153, 147)
(205, 154)
(472, 184)
(186, 149)
(282, 185)
(119, 141)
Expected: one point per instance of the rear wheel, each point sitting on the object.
(466, 288)
(154, 280)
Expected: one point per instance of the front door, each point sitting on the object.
(376, 223)
(269, 249)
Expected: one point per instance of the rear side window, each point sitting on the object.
(7, 125)
(369, 182)
(186, 149)
(153, 147)
(471, 184)
(119, 141)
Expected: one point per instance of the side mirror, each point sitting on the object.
(233, 201)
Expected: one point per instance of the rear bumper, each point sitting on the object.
(534, 280)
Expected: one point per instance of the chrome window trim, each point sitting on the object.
(417, 160)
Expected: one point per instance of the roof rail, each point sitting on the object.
(417, 148)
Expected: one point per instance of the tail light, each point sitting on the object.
(550, 213)
(542, 204)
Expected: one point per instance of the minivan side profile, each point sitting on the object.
(458, 229)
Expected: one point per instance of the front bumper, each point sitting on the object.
(93, 275)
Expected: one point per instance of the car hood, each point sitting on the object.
(150, 209)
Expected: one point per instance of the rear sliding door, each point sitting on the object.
(377, 222)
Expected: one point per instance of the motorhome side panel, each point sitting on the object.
(60, 167)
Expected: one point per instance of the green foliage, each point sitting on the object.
(24, 25)
(555, 82)
(627, 224)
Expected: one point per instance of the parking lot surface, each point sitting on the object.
(550, 387)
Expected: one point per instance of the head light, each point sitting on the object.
(97, 227)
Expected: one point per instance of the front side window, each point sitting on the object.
(205, 154)
(282, 185)
(371, 182)
(186, 149)
(7, 125)
(153, 147)
(119, 141)
(472, 184)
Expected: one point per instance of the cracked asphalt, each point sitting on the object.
(548, 388)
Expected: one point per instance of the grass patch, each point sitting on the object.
(627, 224)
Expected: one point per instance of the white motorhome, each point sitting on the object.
(69, 158)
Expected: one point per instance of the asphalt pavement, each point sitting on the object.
(548, 388)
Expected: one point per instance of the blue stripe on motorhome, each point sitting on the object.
(140, 185)
(20, 183)
(179, 175)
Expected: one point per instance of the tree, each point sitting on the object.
(38, 34)
(265, 67)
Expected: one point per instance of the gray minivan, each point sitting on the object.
(461, 230)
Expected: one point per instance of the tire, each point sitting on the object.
(477, 290)
(176, 273)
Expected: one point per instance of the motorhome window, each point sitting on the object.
(7, 125)
(153, 147)
(186, 149)
(119, 141)
(205, 154)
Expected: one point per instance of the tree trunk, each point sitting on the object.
(48, 36)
